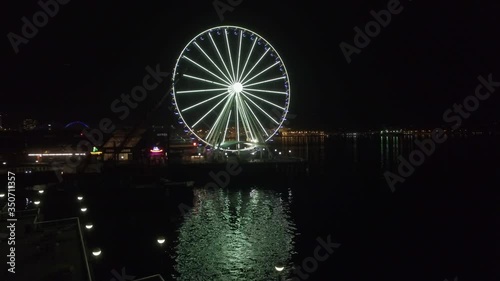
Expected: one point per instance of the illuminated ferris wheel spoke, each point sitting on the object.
(237, 126)
(202, 91)
(203, 117)
(239, 116)
(257, 63)
(262, 82)
(265, 91)
(248, 58)
(210, 59)
(260, 73)
(227, 124)
(250, 122)
(239, 57)
(260, 108)
(264, 100)
(255, 117)
(230, 56)
(244, 120)
(197, 64)
(220, 56)
(202, 102)
(216, 123)
(253, 122)
(204, 80)
(218, 128)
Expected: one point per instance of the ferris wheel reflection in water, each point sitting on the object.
(236, 235)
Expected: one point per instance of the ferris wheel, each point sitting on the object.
(230, 89)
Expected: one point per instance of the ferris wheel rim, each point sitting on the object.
(260, 37)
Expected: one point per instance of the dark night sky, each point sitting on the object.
(424, 61)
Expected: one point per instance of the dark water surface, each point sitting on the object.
(441, 222)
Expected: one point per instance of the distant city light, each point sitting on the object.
(156, 149)
(95, 151)
(55, 154)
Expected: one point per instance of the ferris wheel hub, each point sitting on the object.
(236, 88)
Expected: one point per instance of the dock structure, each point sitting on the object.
(47, 250)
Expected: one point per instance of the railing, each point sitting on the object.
(60, 221)
(150, 277)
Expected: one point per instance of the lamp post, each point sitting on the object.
(161, 242)
(96, 254)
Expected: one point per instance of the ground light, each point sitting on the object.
(161, 240)
(96, 252)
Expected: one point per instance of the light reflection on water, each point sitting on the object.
(236, 235)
